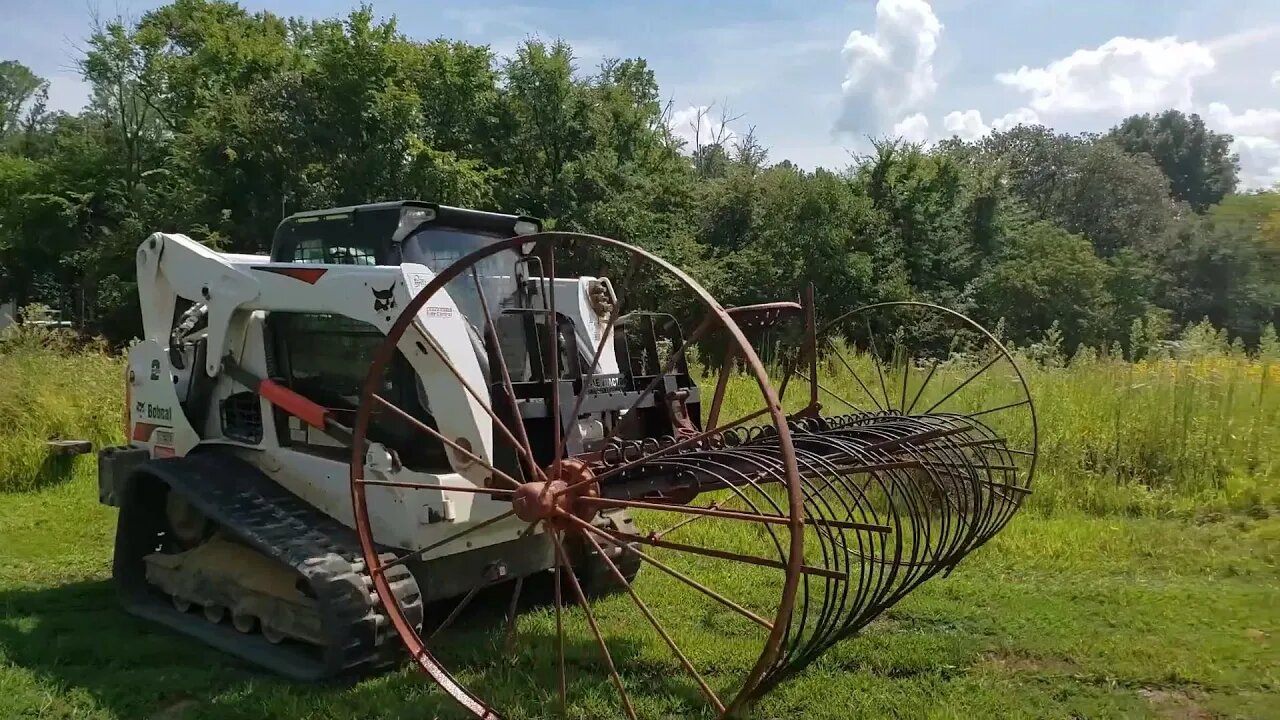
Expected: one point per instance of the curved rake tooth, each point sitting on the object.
(942, 484)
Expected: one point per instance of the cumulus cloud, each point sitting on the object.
(700, 123)
(1021, 116)
(1124, 76)
(1121, 76)
(912, 128)
(1264, 122)
(1257, 141)
(889, 71)
(1275, 78)
(1259, 161)
(968, 125)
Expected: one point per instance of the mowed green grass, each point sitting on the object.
(1138, 582)
(1058, 617)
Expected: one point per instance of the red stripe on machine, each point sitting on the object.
(307, 275)
(142, 431)
(293, 403)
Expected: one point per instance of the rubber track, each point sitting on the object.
(257, 511)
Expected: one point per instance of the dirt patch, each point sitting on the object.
(1175, 705)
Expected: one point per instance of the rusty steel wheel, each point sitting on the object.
(708, 616)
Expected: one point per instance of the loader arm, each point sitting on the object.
(233, 287)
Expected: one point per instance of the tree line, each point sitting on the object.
(216, 122)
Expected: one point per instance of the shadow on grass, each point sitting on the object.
(54, 470)
(75, 639)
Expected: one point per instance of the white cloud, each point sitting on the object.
(1021, 116)
(968, 125)
(1259, 161)
(891, 70)
(1122, 76)
(1265, 122)
(1257, 141)
(1275, 78)
(700, 123)
(913, 128)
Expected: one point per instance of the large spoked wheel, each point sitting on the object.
(549, 435)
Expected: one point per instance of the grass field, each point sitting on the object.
(1143, 580)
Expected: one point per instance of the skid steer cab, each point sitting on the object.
(236, 518)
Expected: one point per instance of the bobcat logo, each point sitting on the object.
(384, 300)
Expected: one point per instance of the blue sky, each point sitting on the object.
(816, 78)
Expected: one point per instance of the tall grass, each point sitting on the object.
(1171, 435)
(53, 388)
(1187, 433)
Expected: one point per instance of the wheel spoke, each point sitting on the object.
(418, 424)
(657, 626)
(484, 404)
(829, 392)
(666, 370)
(675, 574)
(599, 352)
(811, 343)
(555, 537)
(998, 409)
(509, 638)
(691, 440)
(595, 630)
(694, 518)
(933, 367)
(906, 374)
(457, 610)
(875, 357)
(967, 380)
(507, 388)
(496, 492)
(441, 543)
(553, 328)
(729, 514)
(724, 555)
(855, 375)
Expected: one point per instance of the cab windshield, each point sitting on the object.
(439, 247)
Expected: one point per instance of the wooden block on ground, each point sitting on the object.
(69, 447)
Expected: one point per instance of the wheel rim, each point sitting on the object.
(214, 613)
(552, 499)
(242, 622)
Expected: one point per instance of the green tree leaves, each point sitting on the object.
(215, 121)
(1199, 163)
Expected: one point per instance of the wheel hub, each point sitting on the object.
(570, 481)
